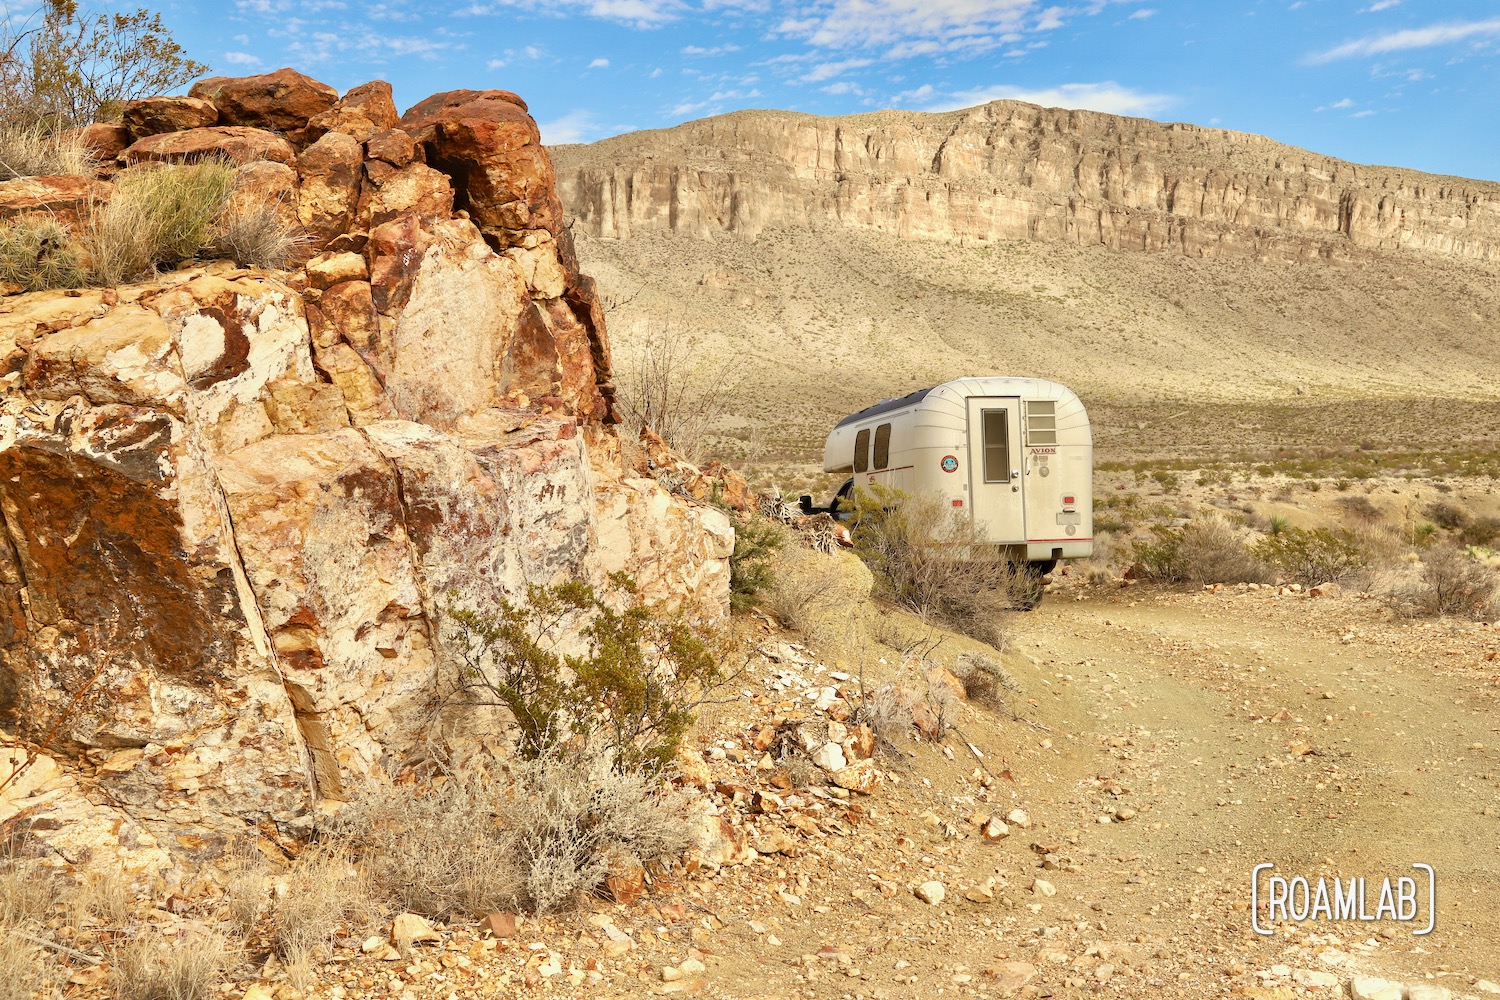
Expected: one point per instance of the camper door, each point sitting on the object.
(996, 468)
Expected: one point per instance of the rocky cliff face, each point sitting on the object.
(234, 505)
(1013, 171)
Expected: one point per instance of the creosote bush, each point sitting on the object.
(751, 570)
(1205, 550)
(635, 688)
(927, 558)
(1311, 557)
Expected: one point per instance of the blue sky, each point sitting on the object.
(1412, 83)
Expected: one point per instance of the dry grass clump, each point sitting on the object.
(255, 236)
(38, 253)
(151, 966)
(28, 892)
(320, 895)
(537, 837)
(670, 384)
(1447, 581)
(985, 681)
(806, 586)
(886, 713)
(156, 216)
(31, 151)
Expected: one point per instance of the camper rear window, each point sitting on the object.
(1041, 422)
(996, 446)
(862, 450)
(882, 446)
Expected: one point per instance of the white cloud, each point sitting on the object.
(843, 87)
(241, 59)
(494, 64)
(1411, 38)
(922, 93)
(599, 64)
(829, 70)
(1050, 19)
(1141, 15)
(865, 23)
(717, 50)
(655, 73)
(1335, 106)
(1362, 114)
(575, 126)
(636, 13)
(1106, 96)
(1379, 5)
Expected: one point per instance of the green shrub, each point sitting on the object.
(1206, 550)
(1447, 515)
(37, 253)
(635, 689)
(1311, 557)
(1482, 531)
(756, 542)
(160, 215)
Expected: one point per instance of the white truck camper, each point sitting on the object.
(1016, 453)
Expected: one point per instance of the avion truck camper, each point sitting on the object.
(1016, 454)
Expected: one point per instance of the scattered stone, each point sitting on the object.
(1041, 887)
(1019, 817)
(931, 893)
(1314, 978)
(1370, 988)
(1422, 991)
(995, 830)
(409, 929)
(984, 893)
(830, 757)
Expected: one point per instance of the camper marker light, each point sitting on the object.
(958, 503)
(1068, 500)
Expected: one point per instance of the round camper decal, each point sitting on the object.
(950, 463)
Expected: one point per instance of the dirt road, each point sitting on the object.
(1214, 732)
(1246, 728)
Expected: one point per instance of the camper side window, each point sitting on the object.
(996, 446)
(1041, 422)
(882, 446)
(862, 450)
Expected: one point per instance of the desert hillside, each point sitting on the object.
(1163, 270)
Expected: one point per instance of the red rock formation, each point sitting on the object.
(234, 504)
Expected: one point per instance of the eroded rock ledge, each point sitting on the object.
(236, 503)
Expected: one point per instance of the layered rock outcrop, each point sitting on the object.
(1014, 171)
(235, 505)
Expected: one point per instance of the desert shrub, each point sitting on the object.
(926, 557)
(21, 970)
(751, 564)
(255, 236)
(643, 673)
(571, 822)
(1206, 550)
(673, 387)
(985, 681)
(1447, 515)
(1482, 531)
(536, 837)
(38, 253)
(159, 215)
(1359, 509)
(31, 151)
(150, 966)
(1312, 556)
(28, 891)
(1449, 581)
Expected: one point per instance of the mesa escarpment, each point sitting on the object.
(1014, 171)
(237, 504)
